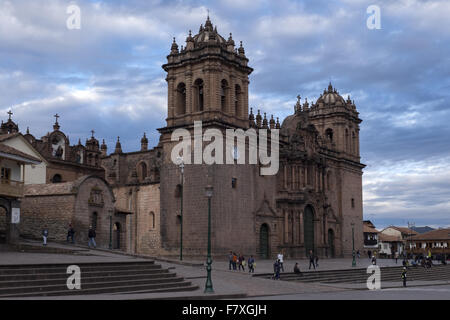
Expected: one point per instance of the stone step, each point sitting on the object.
(84, 274)
(149, 288)
(96, 278)
(63, 269)
(91, 264)
(61, 279)
(61, 286)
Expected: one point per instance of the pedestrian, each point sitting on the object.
(45, 235)
(404, 277)
(311, 260)
(70, 233)
(369, 253)
(276, 269)
(92, 235)
(234, 261)
(317, 261)
(251, 265)
(297, 269)
(280, 259)
(396, 257)
(358, 254)
(374, 260)
(241, 262)
(230, 260)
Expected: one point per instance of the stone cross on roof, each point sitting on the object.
(10, 114)
(56, 117)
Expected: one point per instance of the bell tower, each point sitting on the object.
(207, 80)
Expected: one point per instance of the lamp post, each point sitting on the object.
(353, 245)
(209, 285)
(181, 166)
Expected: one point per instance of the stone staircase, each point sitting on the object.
(96, 278)
(388, 274)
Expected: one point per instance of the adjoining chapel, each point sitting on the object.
(314, 202)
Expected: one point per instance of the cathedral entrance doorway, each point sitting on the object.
(309, 229)
(116, 236)
(264, 242)
(331, 243)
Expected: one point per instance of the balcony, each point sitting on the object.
(11, 188)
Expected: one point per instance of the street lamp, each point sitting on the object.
(181, 166)
(209, 285)
(353, 244)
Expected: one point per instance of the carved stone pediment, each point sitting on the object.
(265, 210)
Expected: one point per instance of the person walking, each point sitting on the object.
(369, 253)
(92, 235)
(251, 265)
(234, 261)
(396, 257)
(70, 234)
(358, 254)
(311, 260)
(280, 259)
(317, 261)
(241, 262)
(230, 260)
(276, 269)
(404, 277)
(44, 236)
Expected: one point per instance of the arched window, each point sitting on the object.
(57, 178)
(152, 220)
(347, 141)
(199, 95)
(181, 99)
(223, 95)
(142, 171)
(329, 134)
(353, 142)
(237, 100)
(308, 222)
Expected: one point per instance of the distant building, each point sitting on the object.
(12, 162)
(370, 235)
(394, 239)
(436, 241)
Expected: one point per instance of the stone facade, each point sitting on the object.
(87, 201)
(314, 202)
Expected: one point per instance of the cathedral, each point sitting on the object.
(314, 202)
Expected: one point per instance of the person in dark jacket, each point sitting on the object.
(251, 265)
(277, 269)
(404, 277)
(70, 234)
(297, 269)
(311, 259)
(91, 236)
(45, 235)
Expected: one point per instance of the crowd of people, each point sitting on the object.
(238, 262)
(71, 236)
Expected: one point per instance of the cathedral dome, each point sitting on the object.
(331, 96)
(208, 34)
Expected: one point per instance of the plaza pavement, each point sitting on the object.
(227, 284)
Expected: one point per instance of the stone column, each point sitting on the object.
(302, 234)
(189, 92)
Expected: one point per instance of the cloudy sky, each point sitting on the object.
(107, 76)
